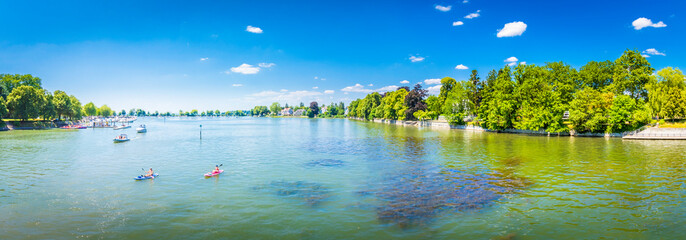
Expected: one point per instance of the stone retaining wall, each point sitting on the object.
(446, 125)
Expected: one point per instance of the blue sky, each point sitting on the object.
(173, 55)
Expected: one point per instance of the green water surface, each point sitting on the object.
(294, 178)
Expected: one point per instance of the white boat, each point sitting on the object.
(141, 129)
(121, 138)
(121, 127)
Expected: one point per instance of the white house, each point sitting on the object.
(287, 112)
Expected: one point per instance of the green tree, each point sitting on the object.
(25, 102)
(3, 107)
(9, 82)
(48, 111)
(91, 110)
(536, 99)
(626, 114)
(666, 93)
(631, 73)
(475, 86)
(499, 104)
(457, 104)
(447, 85)
(589, 110)
(62, 104)
(105, 111)
(76, 112)
(597, 75)
(275, 108)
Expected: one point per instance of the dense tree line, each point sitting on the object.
(608, 96)
(401, 104)
(22, 97)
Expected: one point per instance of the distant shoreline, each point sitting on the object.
(667, 133)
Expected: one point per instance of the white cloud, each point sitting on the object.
(284, 90)
(315, 87)
(237, 85)
(265, 94)
(434, 89)
(511, 61)
(461, 67)
(512, 29)
(443, 8)
(266, 65)
(329, 91)
(203, 59)
(473, 15)
(356, 88)
(316, 78)
(458, 23)
(404, 82)
(653, 51)
(641, 23)
(323, 79)
(522, 63)
(359, 88)
(387, 89)
(416, 59)
(432, 81)
(253, 29)
(288, 97)
(465, 1)
(645, 55)
(245, 69)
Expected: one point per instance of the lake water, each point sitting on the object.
(292, 178)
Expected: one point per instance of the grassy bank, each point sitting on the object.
(30, 124)
(680, 123)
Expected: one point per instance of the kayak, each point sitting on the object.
(210, 174)
(143, 178)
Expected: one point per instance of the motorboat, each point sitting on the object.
(141, 129)
(121, 138)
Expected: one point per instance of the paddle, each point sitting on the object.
(212, 172)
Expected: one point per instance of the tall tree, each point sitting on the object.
(25, 102)
(475, 87)
(76, 111)
(105, 111)
(48, 111)
(314, 107)
(3, 107)
(499, 104)
(589, 110)
(91, 110)
(62, 104)
(631, 74)
(447, 85)
(414, 100)
(9, 82)
(275, 108)
(597, 75)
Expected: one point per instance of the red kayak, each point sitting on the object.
(210, 174)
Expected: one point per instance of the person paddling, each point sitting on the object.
(150, 173)
(216, 169)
